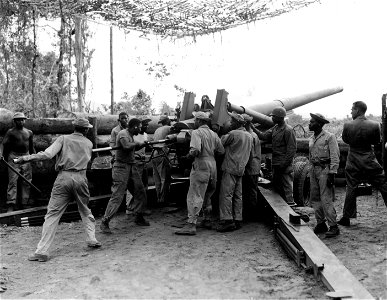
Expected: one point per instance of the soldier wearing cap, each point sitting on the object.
(250, 178)
(284, 145)
(161, 166)
(324, 156)
(237, 144)
(203, 146)
(73, 153)
(17, 141)
(141, 137)
(361, 135)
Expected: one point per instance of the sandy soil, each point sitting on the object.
(152, 262)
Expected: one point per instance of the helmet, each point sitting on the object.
(279, 112)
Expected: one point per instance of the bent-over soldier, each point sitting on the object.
(324, 156)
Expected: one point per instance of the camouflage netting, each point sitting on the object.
(175, 18)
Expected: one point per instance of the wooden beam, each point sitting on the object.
(318, 256)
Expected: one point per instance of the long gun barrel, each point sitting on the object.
(260, 112)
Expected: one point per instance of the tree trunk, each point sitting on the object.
(33, 73)
(79, 58)
(111, 72)
(62, 36)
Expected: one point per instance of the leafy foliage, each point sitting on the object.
(139, 104)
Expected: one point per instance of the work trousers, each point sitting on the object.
(142, 170)
(162, 178)
(322, 196)
(68, 186)
(283, 182)
(125, 176)
(26, 171)
(361, 169)
(202, 186)
(251, 196)
(230, 197)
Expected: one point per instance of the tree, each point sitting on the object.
(141, 103)
(166, 109)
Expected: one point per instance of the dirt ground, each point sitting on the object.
(153, 262)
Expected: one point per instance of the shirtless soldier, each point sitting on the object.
(17, 142)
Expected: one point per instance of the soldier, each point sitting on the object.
(324, 158)
(123, 119)
(126, 176)
(73, 152)
(203, 146)
(361, 165)
(161, 166)
(17, 142)
(284, 145)
(250, 178)
(140, 163)
(237, 144)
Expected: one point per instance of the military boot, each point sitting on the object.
(188, 229)
(332, 232)
(225, 226)
(320, 228)
(105, 227)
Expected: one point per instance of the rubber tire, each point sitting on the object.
(301, 183)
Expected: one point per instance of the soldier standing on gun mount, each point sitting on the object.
(17, 142)
(140, 162)
(161, 166)
(324, 156)
(237, 144)
(125, 176)
(203, 146)
(250, 190)
(284, 147)
(73, 152)
(361, 166)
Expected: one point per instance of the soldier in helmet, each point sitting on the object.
(284, 145)
(324, 158)
(17, 142)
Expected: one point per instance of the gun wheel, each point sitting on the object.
(301, 183)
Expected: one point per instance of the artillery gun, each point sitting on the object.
(260, 113)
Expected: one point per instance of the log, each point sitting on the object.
(105, 124)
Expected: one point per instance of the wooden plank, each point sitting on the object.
(334, 274)
(11, 218)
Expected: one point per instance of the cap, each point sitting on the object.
(320, 118)
(19, 115)
(278, 112)
(201, 115)
(162, 118)
(82, 122)
(237, 117)
(247, 118)
(144, 118)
